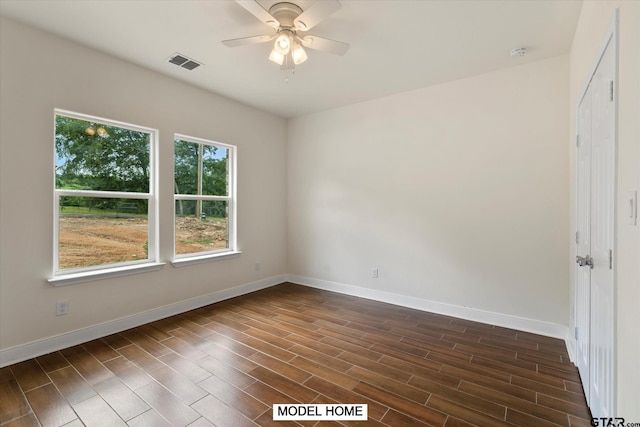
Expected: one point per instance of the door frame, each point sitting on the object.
(611, 38)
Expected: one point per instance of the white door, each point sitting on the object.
(602, 234)
(583, 240)
(595, 240)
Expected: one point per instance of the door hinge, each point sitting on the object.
(576, 237)
(610, 90)
(577, 140)
(575, 332)
(610, 259)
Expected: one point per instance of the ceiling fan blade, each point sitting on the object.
(247, 40)
(256, 10)
(325, 45)
(317, 12)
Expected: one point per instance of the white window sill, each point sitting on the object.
(182, 262)
(88, 276)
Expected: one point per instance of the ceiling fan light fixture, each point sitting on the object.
(298, 54)
(283, 43)
(276, 57)
(289, 20)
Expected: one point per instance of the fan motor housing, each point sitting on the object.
(285, 13)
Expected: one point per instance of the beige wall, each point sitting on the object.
(595, 18)
(458, 193)
(40, 72)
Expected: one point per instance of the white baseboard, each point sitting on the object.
(38, 348)
(513, 322)
(571, 346)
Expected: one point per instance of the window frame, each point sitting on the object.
(81, 274)
(231, 199)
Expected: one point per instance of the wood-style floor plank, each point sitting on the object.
(521, 405)
(283, 384)
(405, 406)
(95, 412)
(179, 385)
(287, 369)
(14, 404)
(220, 414)
(29, 375)
(128, 372)
(168, 405)
(28, 420)
(149, 419)
(121, 398)
(226, 364)
(241, 401)
(71, 384)
(88, 366)
(187, 368)
(464, 413)
(49, 406)
(455, 395)
(376, 410)
(52, 361)
(222, 371)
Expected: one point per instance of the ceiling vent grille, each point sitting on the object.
(183, 61)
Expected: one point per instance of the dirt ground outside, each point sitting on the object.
(87, 241)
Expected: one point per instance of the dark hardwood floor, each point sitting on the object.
(227, 363)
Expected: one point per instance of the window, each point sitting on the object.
(204, 184)
(105, 208)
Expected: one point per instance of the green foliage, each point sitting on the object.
(82, 206)
(213, 174)
(118, 160)
(214, 210)
(205, 241)
(214, 168)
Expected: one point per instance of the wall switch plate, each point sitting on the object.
(632, 208)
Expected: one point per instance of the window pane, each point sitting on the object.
(97, 231)
(214, 171)
(201, 226)
(200, 169)
(186, 167)
(96, 156)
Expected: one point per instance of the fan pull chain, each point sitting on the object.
(288, 76)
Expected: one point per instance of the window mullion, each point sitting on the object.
(56, 232)
(104, 194)
(201, 197)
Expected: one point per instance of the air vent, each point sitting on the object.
(190, 65)
(183, 61)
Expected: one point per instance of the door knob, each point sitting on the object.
(585, 260)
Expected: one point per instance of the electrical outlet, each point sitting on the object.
(62, 307)
(375, 273)
(256, 267)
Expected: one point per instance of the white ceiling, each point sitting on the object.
(396, 45)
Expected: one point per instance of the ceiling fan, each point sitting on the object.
(291, 23)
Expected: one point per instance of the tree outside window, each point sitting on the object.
(105, 206)
(204, 204)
